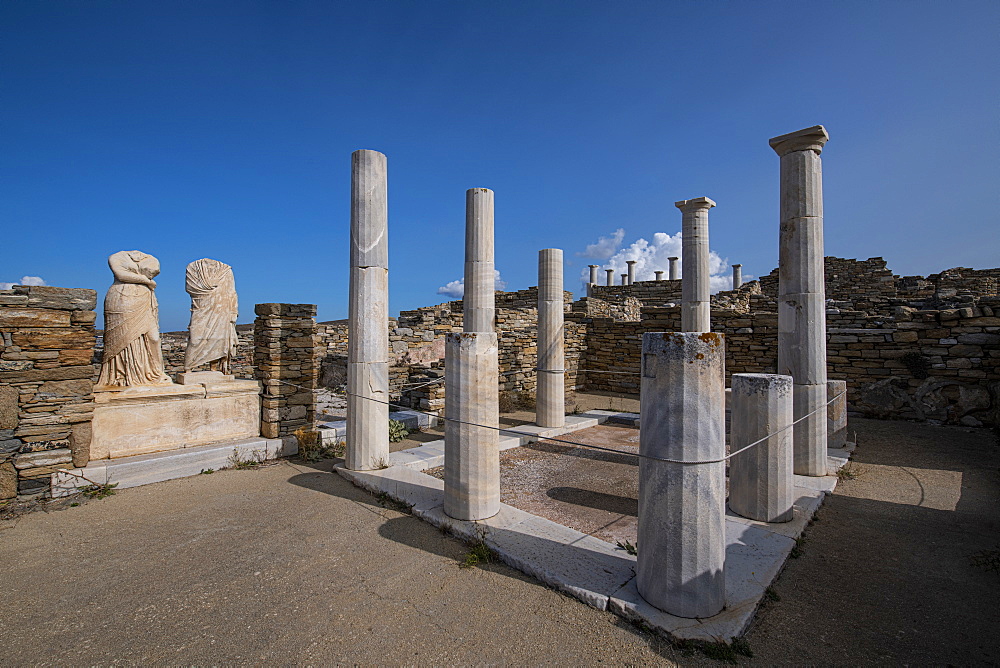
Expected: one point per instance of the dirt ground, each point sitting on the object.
(290, 564)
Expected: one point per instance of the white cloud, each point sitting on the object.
(652, 256)
(605, 246)
(25, 280)
(456, 289)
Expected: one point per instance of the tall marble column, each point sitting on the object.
(695, 304)
(658, 275)
(675, 272)
(682, 536)
(631, 271)
(624, 279)
(478, 303)
(802, 291)
(550, 398)
(737, 275)
(368, 312)
(593, 273)
(471, 437)
(611, 277)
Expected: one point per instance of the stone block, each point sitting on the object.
(80, 437)
(43, 458)
(71, 299)
(8, 407)
(8, 480)
(52, 338)
(33, 317)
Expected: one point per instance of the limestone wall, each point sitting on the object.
(46, 384)
(174, 345)
(286, 361)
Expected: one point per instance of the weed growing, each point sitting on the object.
(397, 431)
(479, 552)
(627, 546)
(240, 462)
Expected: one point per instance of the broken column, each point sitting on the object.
(737, 275)
(674, 270)
(624, 279)
(802, 291)
(550, 397)
(631, 271)
(836, 413)
(760, 479)
(368, 333)
(682, 537)
(695, 308)
(658, 275)
(471, 453)
(471, 436)
(611, 276)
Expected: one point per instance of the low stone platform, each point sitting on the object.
(156, 467)
(597, 572)
(336, 430)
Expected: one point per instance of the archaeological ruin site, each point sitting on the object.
(709, 428)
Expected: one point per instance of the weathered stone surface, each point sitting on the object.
(472, 453)
(33, 317)
(58, 373)
(53, 338)
(760, 479)
(369, 210)
(682, 548)
(836, 413)
(550, 402)
(8, 480)
(8, 407)
(695, 307)
(70, 299)
(80, 437)
(43, 458)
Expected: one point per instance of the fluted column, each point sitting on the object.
(631, 271)
(682, 536)
(550, 397)
(368, 313)
(737, 275)
(760, 479)
(478, 302)
(675, 272)
(802, 291)
(836, 413)
(695, 305)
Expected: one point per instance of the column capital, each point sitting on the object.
(673, 259)
(695, 204)
(736, 265)
(630, 261)
(809, 139)
(593, 266)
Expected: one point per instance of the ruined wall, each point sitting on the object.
(649, 293)
(287, 364)
(46, 384)
(174, 345)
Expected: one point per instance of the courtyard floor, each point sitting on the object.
(291, 564)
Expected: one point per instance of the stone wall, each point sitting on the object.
(174, 345)
(286, 361)
(649, 293)
(46, 384)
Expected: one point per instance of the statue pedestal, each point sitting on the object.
(211, 407)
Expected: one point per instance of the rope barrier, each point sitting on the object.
(588, 445)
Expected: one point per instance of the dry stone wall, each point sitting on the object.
(46, 384)
(174, 345)
(287, 364)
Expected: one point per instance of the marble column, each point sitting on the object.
(611, 276)
(836, 413)
(674, 269)
(593, 273)
(695, 305)
(631, 271)
(368, 313)
(624, 279)
(737, 275)
(682, 533)
(471, 453)
(760, 479)
(658, 275)
(802, 291)
(478, 303)
(550, 397)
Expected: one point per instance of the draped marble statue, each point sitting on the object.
(212, 332)
(132, 354)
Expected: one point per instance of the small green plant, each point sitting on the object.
(312, 448)
(797, 550)
(728, 653)
(74, 504)
(628, 547)
(206, 472)
(381, 463)
(98, 490)
(238, 461)
(479, 552)
(397, 431)
(771, 595)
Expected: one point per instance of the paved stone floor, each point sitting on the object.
(290, 564)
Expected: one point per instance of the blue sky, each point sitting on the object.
(224, 129)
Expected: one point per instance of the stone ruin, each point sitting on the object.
(847, 336)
